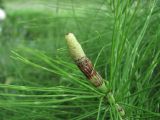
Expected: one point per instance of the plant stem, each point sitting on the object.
(85, 65)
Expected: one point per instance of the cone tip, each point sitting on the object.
(69, 36)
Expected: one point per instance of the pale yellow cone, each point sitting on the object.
(75, 48)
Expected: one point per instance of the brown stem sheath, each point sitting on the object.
(85, 65)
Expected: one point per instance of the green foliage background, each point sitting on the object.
(39, 80)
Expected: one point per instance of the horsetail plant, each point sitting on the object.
(85, 65)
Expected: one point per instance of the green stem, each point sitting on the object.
(105, 89)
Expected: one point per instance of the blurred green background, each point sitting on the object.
(120, 37)
(42, 25)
